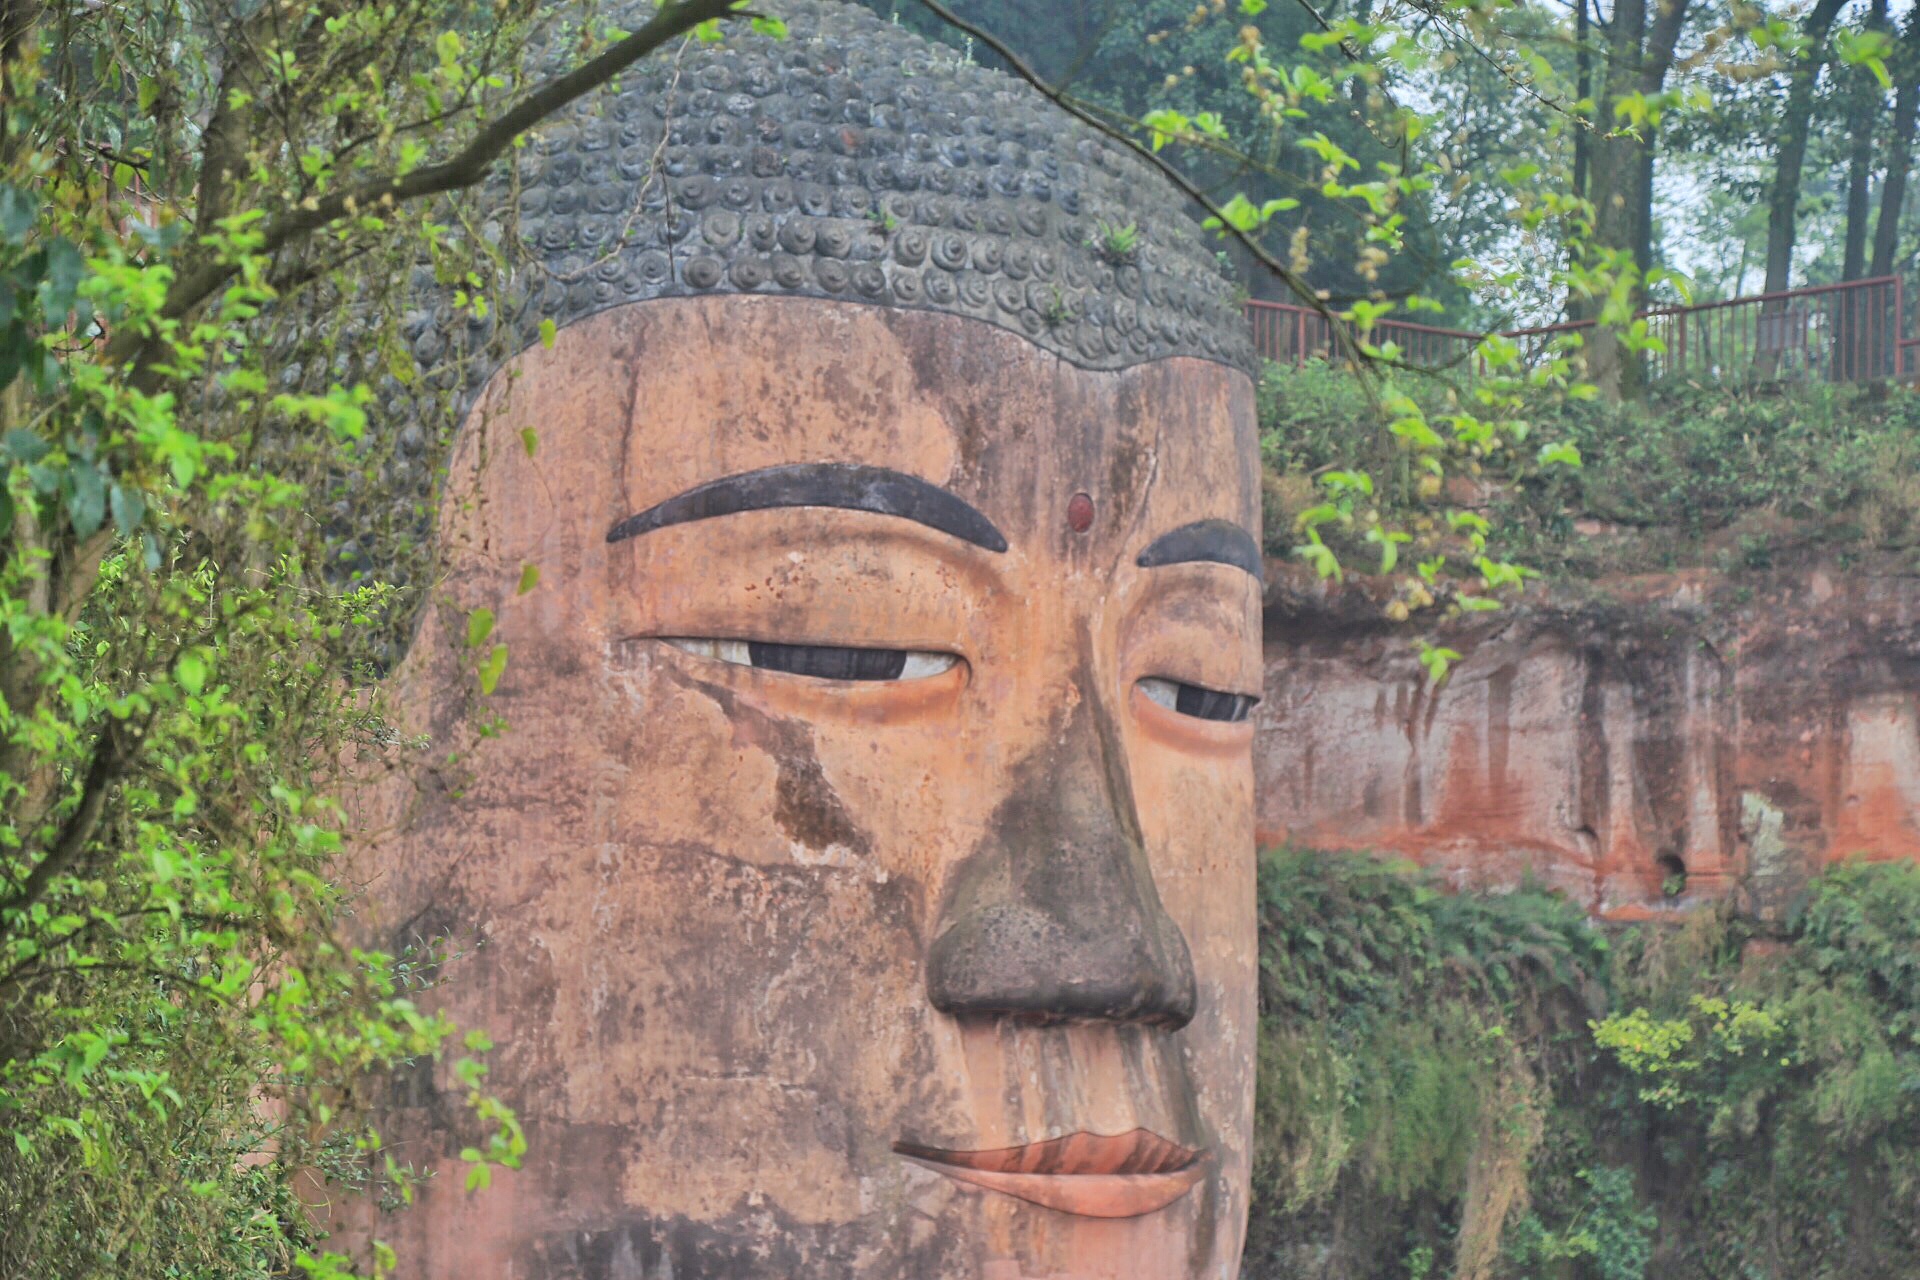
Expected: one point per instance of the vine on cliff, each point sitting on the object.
(1490, 1086)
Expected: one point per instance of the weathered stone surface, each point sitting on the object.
(824, 978)
(854, 160)
(753, 943)
(1738, 733)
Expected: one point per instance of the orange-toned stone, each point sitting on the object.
(1739, 734)
(742, 931)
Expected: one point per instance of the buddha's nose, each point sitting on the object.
(1055, 915)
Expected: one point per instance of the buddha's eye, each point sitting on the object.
(1197, 701)
(823, 661)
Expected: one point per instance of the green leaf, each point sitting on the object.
(23, 445)
(17, 212)
(64, 269)
(529, 440)
(1316, 516)
(190, 669)
(1253, 8)
(1438, 661)
(129, 509)
(1164, 125)
(491, 669)
(529, 578)
(1390, 544)
(1417, 434)
(479, 627)
(1320, 556)
(548, 332)
(86, 499)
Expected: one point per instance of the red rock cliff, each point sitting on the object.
(1657, 742)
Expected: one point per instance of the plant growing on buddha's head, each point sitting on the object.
(1117, 244)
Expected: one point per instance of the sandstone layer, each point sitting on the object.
(1642, 745)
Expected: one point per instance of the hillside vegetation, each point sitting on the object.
(1723, 477)
(1492, 1088)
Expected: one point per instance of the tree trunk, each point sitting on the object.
(1783, 202)
(1861, 338)
(1621, 175)
(1906, 107)
(1863, 119)
(1583, 88)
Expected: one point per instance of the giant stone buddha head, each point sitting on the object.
(863, 879)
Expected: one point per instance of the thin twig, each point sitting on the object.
(467, 167)
(1187, 186)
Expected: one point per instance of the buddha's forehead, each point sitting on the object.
(721, 386)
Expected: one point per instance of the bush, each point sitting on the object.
(1833, 464)
(1441, 1081)
(1698, 459)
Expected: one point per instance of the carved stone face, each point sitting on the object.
(865, 874)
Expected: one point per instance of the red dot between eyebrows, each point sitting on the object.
(1080, 513)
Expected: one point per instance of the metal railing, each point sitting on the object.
(1294, 335)
(1847, 332)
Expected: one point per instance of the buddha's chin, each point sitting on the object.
(976, 1234)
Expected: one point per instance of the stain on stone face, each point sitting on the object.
(1056, 916)
(1642, 755)
(749, 1245)
(809, 811)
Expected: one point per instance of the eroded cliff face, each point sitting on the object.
(1644, 746)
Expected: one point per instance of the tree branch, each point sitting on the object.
(1060, 98)
(1187, 186)
(464, 169)
(79, 825)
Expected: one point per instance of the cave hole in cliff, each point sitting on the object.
(1673, 875)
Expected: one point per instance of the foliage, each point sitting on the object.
(1391, 486)
(210, 217)
(1608, 1232)
(1699, 459)
(1493, 160)
(1723, 476)
(1743, 1109)
(1402, 1032)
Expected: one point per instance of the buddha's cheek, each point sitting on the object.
(1197, 817)
(758, 898)
(779, 999)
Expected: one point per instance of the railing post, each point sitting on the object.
(1899, 325)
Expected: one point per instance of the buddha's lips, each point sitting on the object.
(1088, 1174)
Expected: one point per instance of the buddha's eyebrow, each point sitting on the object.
(1213, 541)
(848, 486)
